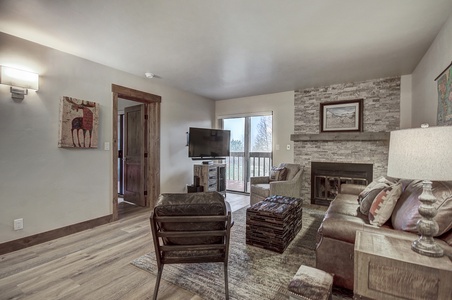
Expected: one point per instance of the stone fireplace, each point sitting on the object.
(327, 178)
(381, 114)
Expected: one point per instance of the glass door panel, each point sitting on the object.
(236, 161)
(251, 150)
(260, 156)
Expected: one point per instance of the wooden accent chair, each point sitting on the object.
(191, 228)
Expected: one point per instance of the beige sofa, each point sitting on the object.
(336, 235)
(261, 187)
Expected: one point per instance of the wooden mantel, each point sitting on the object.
(341, 136)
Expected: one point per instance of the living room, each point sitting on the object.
(52, 188)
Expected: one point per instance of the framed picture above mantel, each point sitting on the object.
(340, 116)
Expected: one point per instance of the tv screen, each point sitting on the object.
(208, 143)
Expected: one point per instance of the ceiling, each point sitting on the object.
(236, 48)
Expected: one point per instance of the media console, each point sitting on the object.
(212, 177)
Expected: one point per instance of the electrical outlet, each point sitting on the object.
(18, 224)
(106, 146)
(288, 147)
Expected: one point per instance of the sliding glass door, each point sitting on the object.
(251, 150)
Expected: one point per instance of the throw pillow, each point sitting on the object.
(384, 203)
(277, 174)
(370, 187)
(368, 199)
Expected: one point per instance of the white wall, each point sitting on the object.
(282, 106)
(51, 187)
(405, 101)
(435, 60)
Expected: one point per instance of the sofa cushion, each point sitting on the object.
(406, 214)
(261, 189)
(277, 174)
(346, 205)
(384, 204)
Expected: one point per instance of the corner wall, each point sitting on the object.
(435, 60)
(51, 187)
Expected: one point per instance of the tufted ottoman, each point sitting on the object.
(311, 284)
(274, 222)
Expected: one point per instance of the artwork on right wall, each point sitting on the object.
(444, 83)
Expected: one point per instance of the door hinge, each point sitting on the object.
(146, 155)
(145, 193)
(146, 117)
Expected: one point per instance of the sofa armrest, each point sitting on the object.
(353, 189)
(259, 179)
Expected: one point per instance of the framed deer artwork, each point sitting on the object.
(79, 123)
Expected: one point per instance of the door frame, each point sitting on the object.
(152, 137)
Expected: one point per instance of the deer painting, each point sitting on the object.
(80, 125)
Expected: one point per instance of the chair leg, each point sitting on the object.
(226, 280)
(157, 282)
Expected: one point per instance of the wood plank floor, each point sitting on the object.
(93, 264)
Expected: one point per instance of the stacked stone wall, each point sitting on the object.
(381, 113)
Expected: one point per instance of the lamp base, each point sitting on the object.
(427, 226)
(427, 248)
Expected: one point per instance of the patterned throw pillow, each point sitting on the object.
(384, 203)
(278, 174)
(368, 199)
(367, 196)
(370, 187)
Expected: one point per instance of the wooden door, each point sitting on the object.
(134, 155)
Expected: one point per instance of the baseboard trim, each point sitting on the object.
(52, 234)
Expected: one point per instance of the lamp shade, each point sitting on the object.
(19, 78)
(421, 153)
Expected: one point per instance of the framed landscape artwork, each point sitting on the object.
(79, 123)
(444, 84)
(341, 116)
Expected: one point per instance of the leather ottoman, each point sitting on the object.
(274, 222)
(311, 284)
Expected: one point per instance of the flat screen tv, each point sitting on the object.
(204, 143)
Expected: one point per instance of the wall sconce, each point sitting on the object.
(19, 81)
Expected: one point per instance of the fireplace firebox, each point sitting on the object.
(327, 178)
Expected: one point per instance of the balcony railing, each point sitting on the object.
(260, 165)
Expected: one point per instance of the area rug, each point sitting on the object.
(254, 273)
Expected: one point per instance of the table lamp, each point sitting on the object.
(425, 154)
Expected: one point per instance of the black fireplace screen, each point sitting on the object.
(327, 178)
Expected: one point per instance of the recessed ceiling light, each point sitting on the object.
(149, 75)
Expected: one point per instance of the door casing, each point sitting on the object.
(152, 139)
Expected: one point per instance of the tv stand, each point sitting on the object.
(212, 177)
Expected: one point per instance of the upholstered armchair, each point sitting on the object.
(191, 228)
(262, 187)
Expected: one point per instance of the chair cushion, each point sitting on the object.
(191, 204)
(261, 189)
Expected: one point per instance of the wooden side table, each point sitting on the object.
(386, 268)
